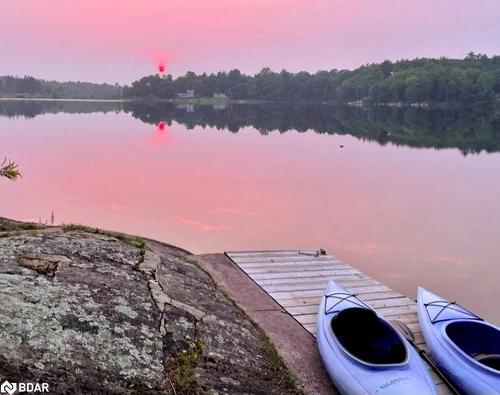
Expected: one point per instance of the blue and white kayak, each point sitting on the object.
(363, 353)
(465, 347)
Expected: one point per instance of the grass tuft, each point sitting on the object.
(180, 370)
(9, 170)
(279, 366)
(78, 227)
(8, 226)
(11, 234)
(134, 241)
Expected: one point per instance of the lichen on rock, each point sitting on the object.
(67, 319)
(89, 312)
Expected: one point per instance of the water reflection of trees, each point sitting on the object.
(470, 130)
(32, 108)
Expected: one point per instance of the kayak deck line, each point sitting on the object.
(296, 280)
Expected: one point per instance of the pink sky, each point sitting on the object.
(116, 41)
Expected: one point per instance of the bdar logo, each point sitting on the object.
(8, 388)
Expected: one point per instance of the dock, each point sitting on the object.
(294, 280)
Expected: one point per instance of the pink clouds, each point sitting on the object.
(110, 40)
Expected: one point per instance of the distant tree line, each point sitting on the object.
(475, 78)
(32, 87)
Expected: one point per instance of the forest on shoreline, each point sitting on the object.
(474, 79)
(30, 87)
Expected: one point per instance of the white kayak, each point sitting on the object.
(363, 353)
(465, 347)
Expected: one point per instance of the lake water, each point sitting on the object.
(411, 197)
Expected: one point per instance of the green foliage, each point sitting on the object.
(10, 228)
(9, 170)
(180, 370)
(10, 234)
(31, 87)
(7, 225)
(79, 228)
(475, 78)
(134, 241)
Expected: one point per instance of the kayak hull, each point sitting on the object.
(443, 329)
(352, 375)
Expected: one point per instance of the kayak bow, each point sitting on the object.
(464, 346)
(363, 353)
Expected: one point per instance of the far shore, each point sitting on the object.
(52, 99)
(227, 101)
(198, 100)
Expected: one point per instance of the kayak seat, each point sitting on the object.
(478, 340)
(491, 360)
(367, 337)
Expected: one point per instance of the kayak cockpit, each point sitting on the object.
(368, 338)
(478, 340)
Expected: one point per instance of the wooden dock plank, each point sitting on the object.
(291, 263)
(390, 302)
(317, 285)
(370, 289)
(309, 273)
(311, 318)
(380, 297)
(314, 277)
(270, 253)
(386, 311)
(301, 280)
(271, 268)
(262, 260)
(296, 280)
(307, 318)
(295, 269)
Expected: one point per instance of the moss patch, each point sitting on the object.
(131, 240)
(13, 226)
(11, 234)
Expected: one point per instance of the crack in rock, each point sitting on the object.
(150, 263)
(161, 298)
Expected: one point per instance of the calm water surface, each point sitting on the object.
(407, 216)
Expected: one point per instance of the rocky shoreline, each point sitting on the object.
(88, 311)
